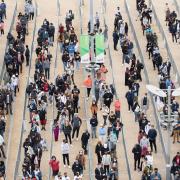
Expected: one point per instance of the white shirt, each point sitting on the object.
(1, 140)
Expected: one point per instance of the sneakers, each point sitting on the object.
(64, 166)
(69, 167)
(76, 139)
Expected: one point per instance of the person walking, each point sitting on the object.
(105, 113)
(102, 133)
(76, 124)
(137, 156)
(56, 130)
(27, 54)
(106, 161)
(115, 39)
(84, 140)
(1, 146)
(117, 106)
(94, 108)
(98, 151)
(88, 85)
(46, 64)
(93, 123)
(54, 165)
(152, 134)
(130, 99)
(67, 129)
(65, 152)
(145, 103)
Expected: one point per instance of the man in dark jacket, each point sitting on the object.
(115, 39)
(77, 168)
(84, 140)
(130, 99)
(27, 54)
(152, 133)
(137, 155)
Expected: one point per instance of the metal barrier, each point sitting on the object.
(165, 41)
(177, 6)
(10, 30)
(55, 66)
(18, 160)
(90, 156)
(146, 77)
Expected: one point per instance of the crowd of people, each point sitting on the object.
(13, 59)
(173, 23)
(2, 16)
(146, 144)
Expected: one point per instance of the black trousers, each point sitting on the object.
(88, 91)
(106, 169)
(66, 158)
(153, 143)
(75, 130)
(47, 73)
(68, 136)
(27, 60)
(2, 150)
(137, 162)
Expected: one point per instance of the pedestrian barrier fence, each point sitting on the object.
(146, 76)
(90, 157)
(18, 160)
(165, 41)
(177, 6)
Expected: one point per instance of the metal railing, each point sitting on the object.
(146, 77)
(18, 160)
(177, 6)
(10, 30)
(166, 44)
(55, 67)
(90, 156)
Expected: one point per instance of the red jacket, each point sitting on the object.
(54, 165)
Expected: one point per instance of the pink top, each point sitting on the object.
(1, 25)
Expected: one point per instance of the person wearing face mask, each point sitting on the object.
(84, 140)
(65, 176)
(94, 108)
(156, 175)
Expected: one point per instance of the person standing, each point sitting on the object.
(93, 123)
(115, 39)
(84, 140)
(56, 130)
(65, 152)
(46, 64)
(94, 108)
(105, 113)
(145, 103)
(76, 124)
(156, 175)
(137, 156)
(67, 129)
(106, 161)
(54, 165)
(130, 99)
(102, 133)
(88, 84)
(27, 54)
(152, 134)
(117, 106)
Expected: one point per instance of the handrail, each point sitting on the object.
(55, 66)
(166, 42)
(146, 76)
(18, 159)
(177, 6)
(91, 175)
(10, 30)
